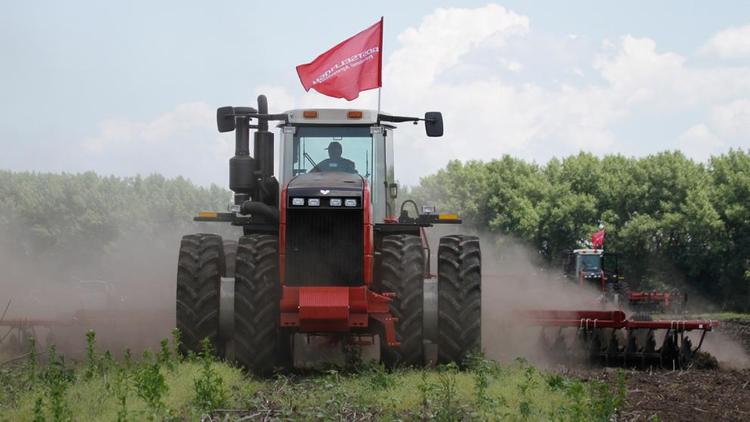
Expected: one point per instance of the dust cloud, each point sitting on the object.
(514, 279)
(728, 352)
(125, 293)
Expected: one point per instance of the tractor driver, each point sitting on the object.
(335, 162)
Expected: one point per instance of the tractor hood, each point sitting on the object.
(326, 184)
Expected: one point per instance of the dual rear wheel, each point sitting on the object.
(260, 345)
(253, 261)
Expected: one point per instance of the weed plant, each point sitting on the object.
(167, 386)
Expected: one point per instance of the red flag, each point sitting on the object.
(352, 66)
(597, 239)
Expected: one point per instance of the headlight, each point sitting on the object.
(335, 202)
(350, 203)
(313, 202)
(298, 202)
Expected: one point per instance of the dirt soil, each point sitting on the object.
(705, 395)
(687, 395)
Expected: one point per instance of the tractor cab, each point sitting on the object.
(352, 145)
(588, 263)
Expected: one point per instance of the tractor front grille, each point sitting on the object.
(324, 247)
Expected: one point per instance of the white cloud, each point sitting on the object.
(732, 120)
(442, 38)
(503, 87)
(489, 113)
(699, 142)
(180, 142)
(731, 43)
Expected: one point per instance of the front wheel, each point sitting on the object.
(258, 342)
(199, 270)
(402, 273)
(459, 298)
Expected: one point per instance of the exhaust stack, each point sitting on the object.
(250, 177)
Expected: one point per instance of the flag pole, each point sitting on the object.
(379, 88)
(380, 68)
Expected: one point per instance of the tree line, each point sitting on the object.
(83, 225)
(675, 222)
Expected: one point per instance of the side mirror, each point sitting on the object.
(433, 123)
(225, 119)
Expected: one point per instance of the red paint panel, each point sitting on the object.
(378, 303)
(322, 326)
(289, 299)
(337, 309)
(358, 300)
(324, 303)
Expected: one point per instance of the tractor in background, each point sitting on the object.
(601, 269)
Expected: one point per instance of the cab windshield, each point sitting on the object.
(333, 149)
(590, 262)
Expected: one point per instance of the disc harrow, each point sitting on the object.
(609, 338)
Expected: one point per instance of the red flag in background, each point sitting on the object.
(347, 69)
(597, 239)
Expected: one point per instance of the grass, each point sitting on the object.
(725, 316)
(721, 316)
(166, 386)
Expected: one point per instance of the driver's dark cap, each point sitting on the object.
(334, 145)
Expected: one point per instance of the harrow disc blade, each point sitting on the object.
(669, 353)
(686, 352)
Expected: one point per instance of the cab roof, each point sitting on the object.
(588, 251)
(332, 116)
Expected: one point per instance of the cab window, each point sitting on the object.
(325, 149)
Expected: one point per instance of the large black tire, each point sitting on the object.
(199, 268)
(402, 272)
(459, 298)
(258, 343)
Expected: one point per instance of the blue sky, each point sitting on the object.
(130, 87)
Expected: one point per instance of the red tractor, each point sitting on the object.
(326, 264)
(600, 269)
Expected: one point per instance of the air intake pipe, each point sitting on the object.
(242, 167)
(251, 178)
(259, 209)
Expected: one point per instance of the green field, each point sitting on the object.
(725, 316)
(166, 386)
(716, 316)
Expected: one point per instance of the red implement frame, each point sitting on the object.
(665, 299)
(611, 319)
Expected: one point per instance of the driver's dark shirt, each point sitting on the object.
(336, 164)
